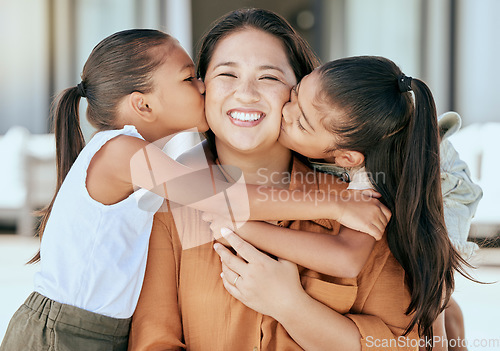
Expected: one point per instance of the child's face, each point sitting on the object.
(179, 94)
(302, 128)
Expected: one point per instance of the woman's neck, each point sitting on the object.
(269, 167)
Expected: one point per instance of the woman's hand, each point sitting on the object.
(362, 211)
(273, 288)
(261, 283)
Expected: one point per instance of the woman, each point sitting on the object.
(249, 60)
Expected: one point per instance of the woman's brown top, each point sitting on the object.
(183, 304)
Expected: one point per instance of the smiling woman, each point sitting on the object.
(249, 60)
(247, 86)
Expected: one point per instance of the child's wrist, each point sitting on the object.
(332, 207)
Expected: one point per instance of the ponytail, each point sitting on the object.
(69, 136)
(69, 143)
(417, 236)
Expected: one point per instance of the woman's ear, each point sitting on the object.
(348, 158)
(138, 102)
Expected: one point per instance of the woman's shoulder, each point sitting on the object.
(382, 284)
(381, 262)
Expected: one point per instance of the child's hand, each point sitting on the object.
(369, 193)
(217, 223)
(361, 211)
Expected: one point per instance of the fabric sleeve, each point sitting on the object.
(377, 336)
(460, 197)
(156, 323)
(379, 311)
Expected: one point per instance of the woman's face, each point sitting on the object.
(248, 81)
(302, 128)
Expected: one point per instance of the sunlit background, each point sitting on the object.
(450, 44)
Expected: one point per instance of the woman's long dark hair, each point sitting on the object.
(397, 132)
(300, 55)
(120, 64)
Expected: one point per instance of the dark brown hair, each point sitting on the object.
(300, 56)
(397, 132)
(120, 64)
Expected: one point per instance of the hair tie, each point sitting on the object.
(404, 83)
(81, 90)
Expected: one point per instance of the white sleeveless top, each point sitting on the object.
(93, 256)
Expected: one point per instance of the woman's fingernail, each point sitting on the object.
(222, 275)
(225, 231)
(216, 246)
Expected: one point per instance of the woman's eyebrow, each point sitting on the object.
(228, 63)
(276, 68)
(263, 67)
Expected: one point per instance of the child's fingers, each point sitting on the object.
(378, 231)
(244, 249)
(235, 263)
(207, 216)
(376, 226)
(387, 213)
(373, 230)
(371, 193)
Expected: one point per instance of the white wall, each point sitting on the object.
(478, 61)
(24, 94)
(393, 29)
(387, 28)
(97, 19)
(384, 27)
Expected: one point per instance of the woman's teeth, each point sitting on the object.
(242, 116)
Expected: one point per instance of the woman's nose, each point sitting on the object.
(247, 92)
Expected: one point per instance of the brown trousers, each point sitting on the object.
(42, 324)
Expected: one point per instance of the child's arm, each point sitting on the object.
(342, 255)
(146, 166)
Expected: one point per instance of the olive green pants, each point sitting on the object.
(41, 324)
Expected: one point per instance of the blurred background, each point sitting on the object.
(44, 44)
(450, 44)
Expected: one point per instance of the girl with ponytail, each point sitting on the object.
(363, 117)
(389, 120)
(95, 236)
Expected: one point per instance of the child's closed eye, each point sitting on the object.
(301, 127)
